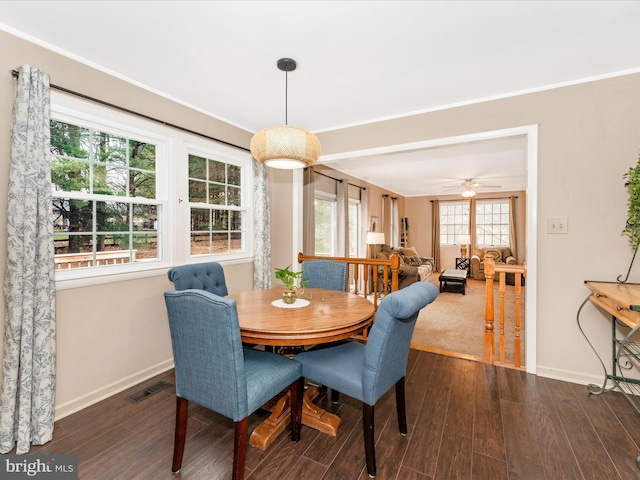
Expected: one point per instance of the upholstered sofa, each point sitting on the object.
(413, 267)
(499, 254)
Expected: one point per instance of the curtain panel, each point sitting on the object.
(512, 228)
(261, 227)
(435, 229)
(342, 217)
(308, 212)
(29, 358)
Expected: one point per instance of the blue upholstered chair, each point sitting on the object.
(325, 274)
(366, 372)
(203, 276)
(328, 275)
(215, 371)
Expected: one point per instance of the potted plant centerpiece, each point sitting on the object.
(292, 283)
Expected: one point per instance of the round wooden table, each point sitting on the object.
(330, 315)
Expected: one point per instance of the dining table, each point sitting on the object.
(317, 317)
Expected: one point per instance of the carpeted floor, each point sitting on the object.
(455, 322)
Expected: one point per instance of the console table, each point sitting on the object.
(622, 302)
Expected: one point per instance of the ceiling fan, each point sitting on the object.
(469, 187)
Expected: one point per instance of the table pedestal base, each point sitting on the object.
(312, 416)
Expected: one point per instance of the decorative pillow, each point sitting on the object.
(409, 252)
(417, 261)
(382, 256)
(493, 253)
(479, 252)
(412, 261)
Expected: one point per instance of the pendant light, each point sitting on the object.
(285, 146)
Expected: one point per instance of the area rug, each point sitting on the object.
(454, 322)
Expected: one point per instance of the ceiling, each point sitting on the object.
(358, 62)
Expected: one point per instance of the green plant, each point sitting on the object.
(290, 278)
(632, 229)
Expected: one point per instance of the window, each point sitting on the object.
(131, 196)
(215, 202)
(492, 223)
(454, 221)
(105, 206)
(325, 224)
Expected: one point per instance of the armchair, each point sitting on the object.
(500, 255)
(215, 371)
(366, 372)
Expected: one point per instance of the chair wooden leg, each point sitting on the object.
(369, 446)
(401, 406)
(239, 448)
(295, 404)
(182, 408)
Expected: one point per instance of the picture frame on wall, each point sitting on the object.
(374, 224)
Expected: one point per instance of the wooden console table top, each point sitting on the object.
(622, 300)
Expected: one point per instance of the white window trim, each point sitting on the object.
(246, 202)
(171, 193)
(504, 201)
(444, 203)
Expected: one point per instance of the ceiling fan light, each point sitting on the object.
(285, 147)
(468, 193)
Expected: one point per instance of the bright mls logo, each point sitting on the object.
(51, 467)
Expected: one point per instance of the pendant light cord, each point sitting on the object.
(286, 96)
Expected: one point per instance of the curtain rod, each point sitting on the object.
(482, 198)
(339, 180)
(132, 112)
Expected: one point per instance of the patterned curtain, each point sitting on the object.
(29, 360)
(261, 228)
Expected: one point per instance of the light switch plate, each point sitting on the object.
(557, 225)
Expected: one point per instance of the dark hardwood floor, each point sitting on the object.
(466, 420)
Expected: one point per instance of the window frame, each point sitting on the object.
(463, 227)
(504, 201)
(172, 196)
(245, 202)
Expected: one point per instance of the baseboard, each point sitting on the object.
(570, 376)
(67, 408)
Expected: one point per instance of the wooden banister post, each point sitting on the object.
(503, 282)
(489, 345)
(395, 269)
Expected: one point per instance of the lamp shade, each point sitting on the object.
(464, 239)
(285, 147)
(375, 238)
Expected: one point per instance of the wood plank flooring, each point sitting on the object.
(467, 420)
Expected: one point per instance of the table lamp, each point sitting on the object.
(464, 240)
(374, 238)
